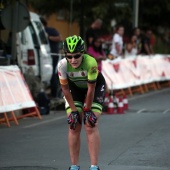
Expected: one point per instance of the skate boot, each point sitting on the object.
(74, 167)
(94, 168)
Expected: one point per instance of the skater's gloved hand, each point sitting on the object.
(89, 117)
(73, 119)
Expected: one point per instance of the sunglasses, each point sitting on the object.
(74, 56)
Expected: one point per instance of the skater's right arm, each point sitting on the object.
(62, 73)
(68, 96)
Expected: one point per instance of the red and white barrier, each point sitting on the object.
(130, 72)
(15, 93)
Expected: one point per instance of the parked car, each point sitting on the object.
(33, 49)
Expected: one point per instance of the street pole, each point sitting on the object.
(71, 16)
(82, 19)
(135, 12)
(14, 28)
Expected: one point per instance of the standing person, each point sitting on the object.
(93, 31)
(97, 52)
(138, 34)
(117, 43)
(131, 47)
(147, 48)
(81, 82)
(135, 49)
(54, 39)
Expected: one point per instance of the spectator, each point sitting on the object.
(97, 52)
(93, 31)
(117, 43)
(146, 44)
(137, 33)
(128, 50)
(54, 39)
(152, 40)
(131, 47)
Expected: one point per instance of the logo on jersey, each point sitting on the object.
(82, 73)
(71, 74)
(100, 99)
(94, 70)
(102, 89)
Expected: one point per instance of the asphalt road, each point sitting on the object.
(136, 140)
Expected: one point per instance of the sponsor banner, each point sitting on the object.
(134, 71)
(14, 92)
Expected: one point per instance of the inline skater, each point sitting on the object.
(81, 82)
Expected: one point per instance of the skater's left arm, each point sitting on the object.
(90, 95)
(68, 96)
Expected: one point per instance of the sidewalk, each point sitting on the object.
(35, 121)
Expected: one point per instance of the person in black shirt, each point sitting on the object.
(93, 31)
(146, 48)
(54, 38)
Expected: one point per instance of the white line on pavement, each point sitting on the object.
(133, 98)
(166, 111)
(44, 122)
(140, 111)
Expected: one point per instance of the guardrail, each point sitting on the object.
(138, 71)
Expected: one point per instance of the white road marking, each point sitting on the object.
(166, 111)
(133, 98)
(140, 111)
(44, 122)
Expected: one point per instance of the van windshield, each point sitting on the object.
(41, 33)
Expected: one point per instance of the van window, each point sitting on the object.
(41, 33)
(34, 36)
(23, 38)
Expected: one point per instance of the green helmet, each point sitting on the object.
(74, 44)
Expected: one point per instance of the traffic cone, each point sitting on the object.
(110, 109)
(116, 101)
(106, 99)
(125, 103)
(120, 108)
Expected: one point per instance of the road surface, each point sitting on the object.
(136, 140)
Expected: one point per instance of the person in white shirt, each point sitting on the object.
(131, 47)
(117, 43)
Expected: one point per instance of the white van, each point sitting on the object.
(33, 49)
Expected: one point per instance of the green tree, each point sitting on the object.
(151, 13)
(87, 10)
(154, 13)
